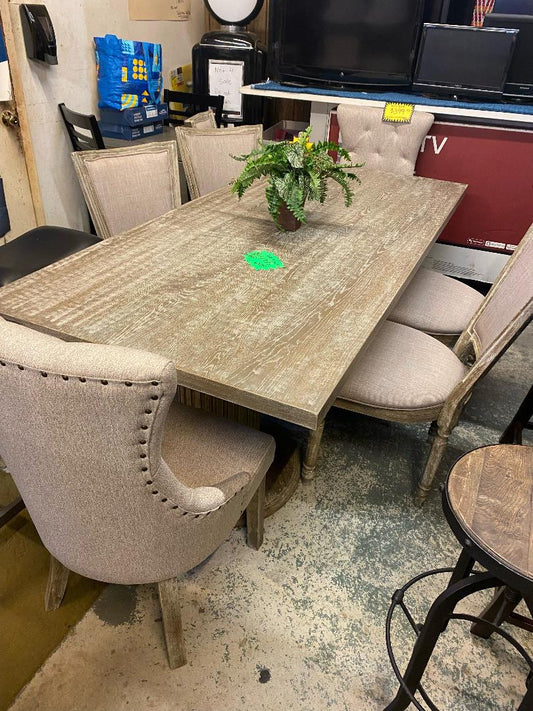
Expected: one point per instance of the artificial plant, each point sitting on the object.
(297, 171)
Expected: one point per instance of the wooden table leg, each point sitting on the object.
(312, 452)
(283, 476)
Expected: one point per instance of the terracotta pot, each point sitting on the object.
(287, 220)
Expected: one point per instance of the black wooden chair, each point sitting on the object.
(83, 130)
(191, 104)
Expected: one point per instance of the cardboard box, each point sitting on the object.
(130, 133)
(284, 130)
(138, 116)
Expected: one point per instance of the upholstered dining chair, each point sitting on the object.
(407, 376)
(124, 187)
(207, 155)
(433, 303)
(123, 484)
(204, 119)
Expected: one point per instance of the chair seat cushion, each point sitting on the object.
(38, 248)
(403, 369)
(213, 456)
(436, 304)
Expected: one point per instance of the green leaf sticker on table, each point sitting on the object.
(261, 259)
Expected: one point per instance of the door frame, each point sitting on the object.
(20, 105)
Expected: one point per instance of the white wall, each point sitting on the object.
(73, 81)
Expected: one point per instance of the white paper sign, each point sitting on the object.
(226, 77)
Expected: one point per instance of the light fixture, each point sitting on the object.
(234, 12)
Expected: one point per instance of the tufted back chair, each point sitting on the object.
(382, 146)
(81, 429)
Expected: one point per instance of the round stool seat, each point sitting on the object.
(490, 494)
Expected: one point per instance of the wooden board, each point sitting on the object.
(279, 341)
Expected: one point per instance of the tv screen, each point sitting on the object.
(468, 60)
(520, 77)
(345, 42)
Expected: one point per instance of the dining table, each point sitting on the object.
(256, 321)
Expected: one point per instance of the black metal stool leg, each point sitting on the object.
(436, 622)
(527, 701)
(463, 567)
(497, 611)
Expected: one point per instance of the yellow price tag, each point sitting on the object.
(394, 112)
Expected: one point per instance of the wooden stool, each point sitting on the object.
(487, 501)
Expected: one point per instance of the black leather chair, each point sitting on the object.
(38, 248)
(192, 104)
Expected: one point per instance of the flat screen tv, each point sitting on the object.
(460, 61)
(349, 43)
(519, 84)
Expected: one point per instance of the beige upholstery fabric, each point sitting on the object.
(201, 121)
(436, 304)
(382, 146)
(81, 430)
(508, 297)
(124, 187)
(403, 369)
(208, 155)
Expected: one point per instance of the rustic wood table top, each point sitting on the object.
(491, 492)
(278, 341)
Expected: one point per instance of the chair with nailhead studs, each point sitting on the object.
(123, 484)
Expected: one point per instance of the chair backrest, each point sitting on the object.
(507, 307)
(392, 147)
(207, 155)
(125, 187)
(201, 121)
(82, 129)
(81, 427)
(191, 104)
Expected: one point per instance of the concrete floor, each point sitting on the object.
(300, 623)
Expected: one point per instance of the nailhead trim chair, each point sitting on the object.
(433, 303)
(125, 187)
(123, 484)
(407, 376)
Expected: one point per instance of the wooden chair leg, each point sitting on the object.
(312, 452)
(56, 586)
(169, 600)
(255, 517)
(434, 459)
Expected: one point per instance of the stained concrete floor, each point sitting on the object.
(300, 623)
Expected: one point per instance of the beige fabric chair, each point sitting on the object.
(123, 484)
(433, 302)
(201, 121)
(125, 187)
(407, 376)
(391, 147)
(207, 155)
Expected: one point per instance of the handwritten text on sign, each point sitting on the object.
(226, 78)
(395, 112)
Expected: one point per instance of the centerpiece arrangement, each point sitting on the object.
(297, 171)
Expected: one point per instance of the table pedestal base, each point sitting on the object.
(283, 476)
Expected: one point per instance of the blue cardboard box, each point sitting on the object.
(130, 133)
(137, 116)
